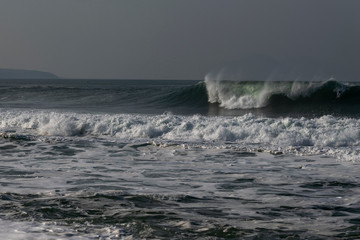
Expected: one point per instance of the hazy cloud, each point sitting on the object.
(182, 39)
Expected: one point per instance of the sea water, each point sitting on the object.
(131, 159)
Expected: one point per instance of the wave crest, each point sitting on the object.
(256, 94)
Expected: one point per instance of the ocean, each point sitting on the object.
(161, 159)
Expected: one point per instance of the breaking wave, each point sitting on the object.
(327, 135)
(209, 97)
(266, 94)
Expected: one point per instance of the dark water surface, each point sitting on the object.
(110, 190)
(106, 159)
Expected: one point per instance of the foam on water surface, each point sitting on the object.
(80, 189)
(101, 161)
(326, 135)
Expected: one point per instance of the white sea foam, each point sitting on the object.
(25, 230)
(11, 230)
(328, 134)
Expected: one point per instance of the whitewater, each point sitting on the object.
(157, 159)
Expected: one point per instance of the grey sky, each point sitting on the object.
(177, 39)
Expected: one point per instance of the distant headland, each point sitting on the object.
(25, 74)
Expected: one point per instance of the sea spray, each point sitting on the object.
(260, 94)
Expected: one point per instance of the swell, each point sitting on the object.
(186, 98)
(127, 97)
(194, 95)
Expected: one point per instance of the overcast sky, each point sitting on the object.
(178, 39)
